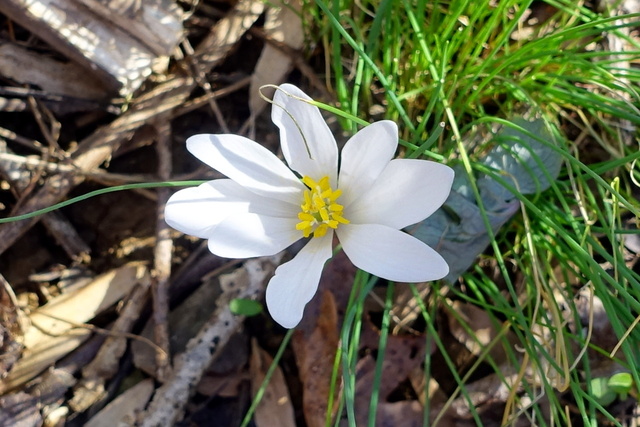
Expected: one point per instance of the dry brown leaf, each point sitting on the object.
(275, 408)
(53, 331)
(122, 409)
(221, 385)
(227, 376)
(402, 356)
(315, 355)
(283, 24)
(484, 330)
(405, 412)
(488, 397)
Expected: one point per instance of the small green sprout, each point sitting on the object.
(245, 307)
(606, 390)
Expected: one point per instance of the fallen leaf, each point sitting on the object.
(489, 397)
(315, 355)
(402, 356)
(476, 331)
(275, 408)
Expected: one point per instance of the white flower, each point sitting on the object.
(264, 207)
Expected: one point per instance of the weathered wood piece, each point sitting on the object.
(284, 24)
(120, 41)
(51, 75)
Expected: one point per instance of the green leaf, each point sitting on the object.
(245, 307)
(621, 383)
(601, 392)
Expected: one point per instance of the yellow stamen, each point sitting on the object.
(321, 230)
(319, 211)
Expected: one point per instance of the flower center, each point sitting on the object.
(319, 210)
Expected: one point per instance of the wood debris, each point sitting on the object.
(169, 400)
(283, 24)
(155, 105)
(121, 42)
(123, 409)
(56, 328)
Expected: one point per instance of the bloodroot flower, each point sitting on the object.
(265, 206)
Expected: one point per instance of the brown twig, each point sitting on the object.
(25, 142)
(204, 99)
(199, 74)
(162, 256)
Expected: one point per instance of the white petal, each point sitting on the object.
(307, 143)
(249, 164)
(364, 157)
(391, 254)
(248, 235)
(296, 281)
(197, 210)
(407, 191)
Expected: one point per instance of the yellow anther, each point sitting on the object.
(306, 217)
(318, 201)
(307, 201)
(309, 182)
(302, 225)
(324, 183)
(319, 211)
(335, 195)
(321, 230)
(340, 219)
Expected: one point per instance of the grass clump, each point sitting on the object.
(476, 67)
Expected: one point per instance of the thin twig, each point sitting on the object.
(200, 76)
(162, 255)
